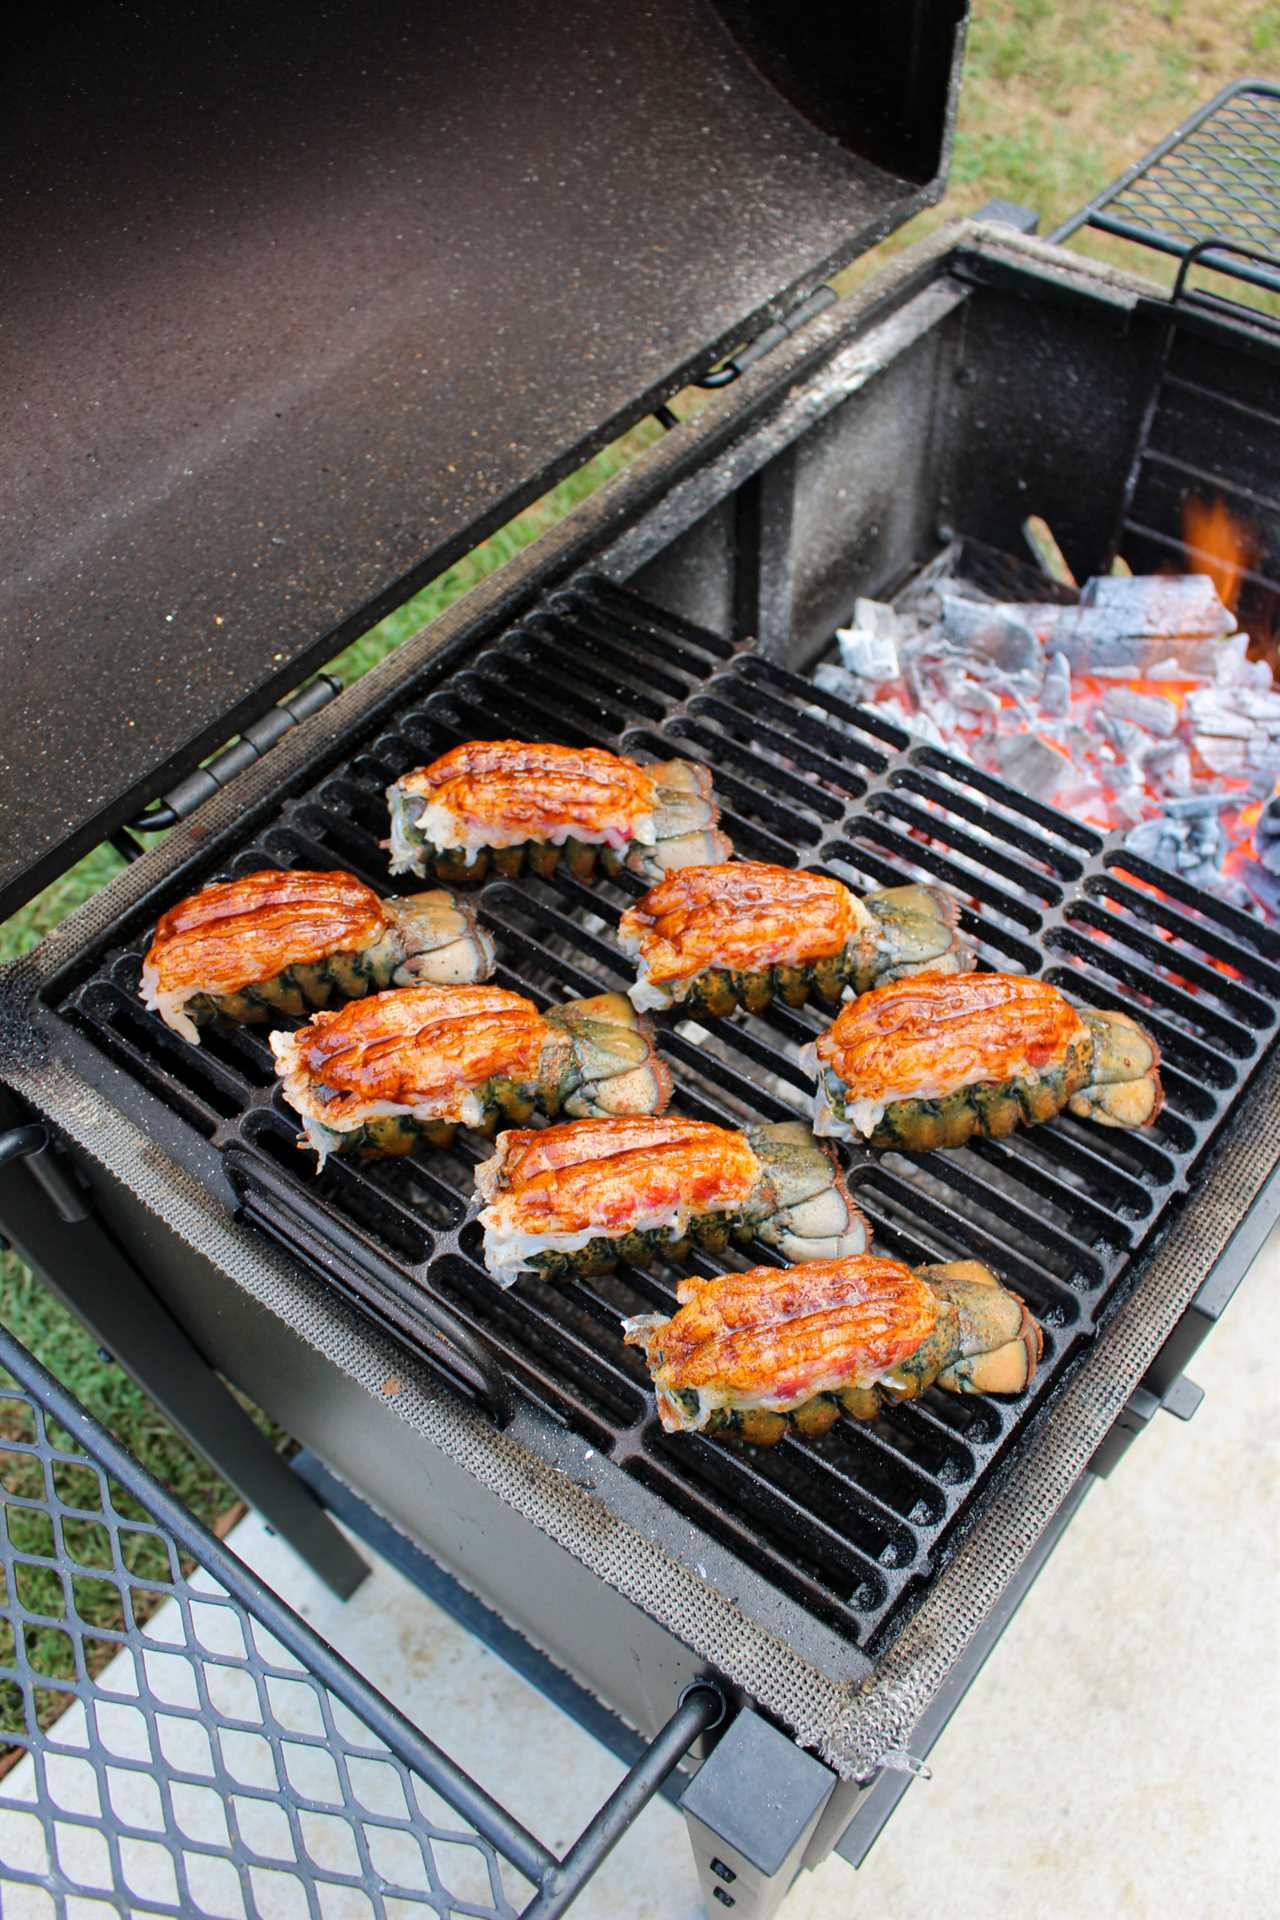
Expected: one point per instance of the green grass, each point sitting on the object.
(1059, 96)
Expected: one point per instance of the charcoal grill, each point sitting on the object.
(835, 1588)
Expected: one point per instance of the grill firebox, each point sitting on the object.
(852, 1527)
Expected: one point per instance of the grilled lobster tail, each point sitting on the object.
(283, 941)
(938, 1060)
(712, 938)
(383, 1074)
(495, 806)
(577, 1199)
(750, 1354)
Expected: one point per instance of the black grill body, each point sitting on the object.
(676, 613)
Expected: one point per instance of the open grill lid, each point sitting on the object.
(301, 302)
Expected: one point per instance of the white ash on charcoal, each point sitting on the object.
(1263, 886)
(1124, 628)
(1234, 729)
(1153, 712)
(850, 688)
(1032, 766)
(1262, 874)
(1055, 688)
(869, 644)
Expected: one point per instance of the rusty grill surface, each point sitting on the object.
(853, 1526)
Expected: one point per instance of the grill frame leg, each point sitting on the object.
(751, 1811)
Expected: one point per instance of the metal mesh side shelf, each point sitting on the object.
(1216, 177)
(225, 1761)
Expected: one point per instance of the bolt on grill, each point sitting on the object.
(853, 1526)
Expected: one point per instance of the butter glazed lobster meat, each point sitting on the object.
(283, 940)
(934, 1061)
(749, 1354)
(379, 1075)
(493, 805)
(715, 937)
(576, 1199)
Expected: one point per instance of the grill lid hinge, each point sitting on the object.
(738, 362)
(258, 738)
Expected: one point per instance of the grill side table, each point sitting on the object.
(227, 1760)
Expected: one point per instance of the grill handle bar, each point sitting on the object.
(459, 1356)
(701, 1707)
(34, 1144)
(1198, 256)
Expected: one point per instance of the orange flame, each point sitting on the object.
(1218, 544)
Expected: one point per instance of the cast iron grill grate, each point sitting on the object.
(851, 1527)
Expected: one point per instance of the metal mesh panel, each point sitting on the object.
(204, 1768)
(209, 1753)
(1216, 178)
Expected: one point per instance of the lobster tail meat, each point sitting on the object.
(497, 805)
(712, 938)
(379, 1075)
(284, 940)
(577, 1198)
(750, 1354)
(939, 1059)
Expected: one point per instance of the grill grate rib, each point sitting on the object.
(852, 1526)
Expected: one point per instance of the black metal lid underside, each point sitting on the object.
(301, 301)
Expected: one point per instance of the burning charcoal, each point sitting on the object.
(1258, 704)
(1149, 710)
(869, 647)
(1154, 840)
(969, 695)
(1263, 885)
(1032, 766)
(1227, 739)
(923, 726)
(1186, 605)
(1191, 844)
(1167, 765)
(1209, 710)
(1129, 803)
(1265, 778)
(997, 634)
(1266, 835)
(845, 686)
(1086, 799)
(1055, 693)
(1122, 734)
(1233, 666)
(1201, 806)
(1094, 641)
(1222, 754)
